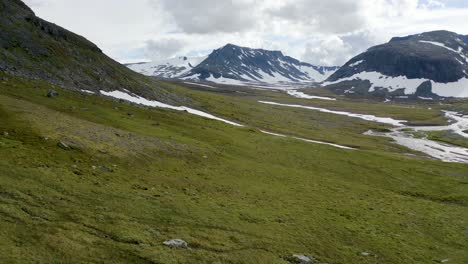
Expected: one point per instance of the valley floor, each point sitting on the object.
(133, 177)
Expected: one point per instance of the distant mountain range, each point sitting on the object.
(167, 69)
(427, 65)
(232, 64)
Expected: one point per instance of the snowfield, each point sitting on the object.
(379, 80)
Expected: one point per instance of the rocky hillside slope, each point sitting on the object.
(34, 48)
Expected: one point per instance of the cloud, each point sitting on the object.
(163, 48)
(35, 3)
(208, 16)
(338, 16)
(330, 51)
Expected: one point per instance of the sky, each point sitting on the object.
(315, 31)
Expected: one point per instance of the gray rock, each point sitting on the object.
(106, 169)
(63, 145)
(301, 259)
(176, 243)
(52, 93)
(365, 254)
(5, 134)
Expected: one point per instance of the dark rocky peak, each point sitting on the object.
(448, 38)
(14, 8)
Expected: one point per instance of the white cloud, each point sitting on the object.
(208, 16)
(163, 48)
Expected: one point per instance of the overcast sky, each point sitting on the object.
(317, 31)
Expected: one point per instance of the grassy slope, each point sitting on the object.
(236, 195)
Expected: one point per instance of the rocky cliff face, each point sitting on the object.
(428, 64)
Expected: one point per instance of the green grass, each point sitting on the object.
(236, 195)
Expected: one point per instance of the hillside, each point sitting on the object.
(34, 48)
(430, 64)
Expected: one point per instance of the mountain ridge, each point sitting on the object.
(429, 64)
(232, 64)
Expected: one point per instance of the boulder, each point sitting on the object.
(52, 93)
(176, 243)
(301, 259)
(106, 169)
(63, 145)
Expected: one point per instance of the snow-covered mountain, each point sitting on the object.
(167, 69)
(232, 64)
(426, 65)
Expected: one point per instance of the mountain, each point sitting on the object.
(36, 49)
(167, 69)
(430, 64)
(232, 64)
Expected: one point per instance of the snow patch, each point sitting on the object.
(307, 140)
(453, 89)
(199, 84)
(425, 98)
(143, 101)
(87, 91)
(442, 45)
(441, 151)
(356, 63)
(306, 96)
(384, 120)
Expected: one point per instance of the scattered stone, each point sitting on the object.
(5, 134)
(63, 145)
(444, 260)
(301, 259)
(365, 254)
(52, 93)
(176, 243)
(280, 220)
(106, 169)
